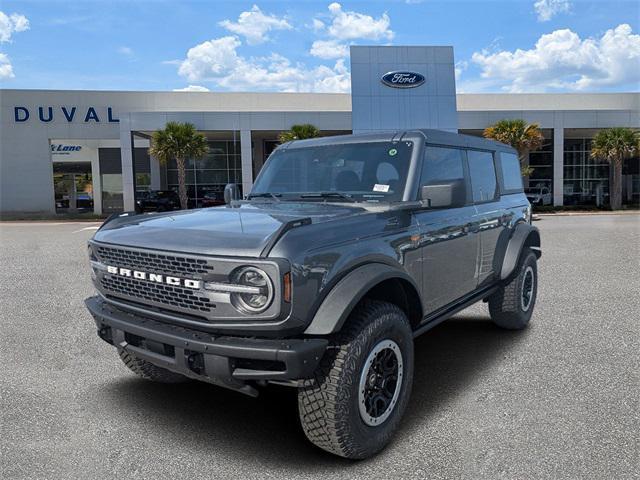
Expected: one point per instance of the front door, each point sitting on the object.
(449, 238)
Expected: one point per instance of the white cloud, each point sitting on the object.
(317, 25)
(561, 60)
(547, 9)
(126, 51)
(254, 25)
(347, 25)
(217, 61)
(210, 59)
(192, 88)
(6, 70)
(329, 49)
(460, 67)
(10, 24)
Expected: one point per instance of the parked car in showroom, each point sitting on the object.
(346, 249)
(539, 196)
(157, 201)
(212, 198)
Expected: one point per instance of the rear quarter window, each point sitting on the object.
(511, 176)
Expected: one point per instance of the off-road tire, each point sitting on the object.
(328, 404)
(506, 305)
(149, 371)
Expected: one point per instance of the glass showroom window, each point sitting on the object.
(542, 163)
(206, 177)
(586, 181)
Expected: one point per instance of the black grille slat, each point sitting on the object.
(159, 293)
(154, 262)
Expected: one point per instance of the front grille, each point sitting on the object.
(171, 297)
(153, 262)
(158, 293)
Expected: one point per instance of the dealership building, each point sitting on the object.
(75, 151)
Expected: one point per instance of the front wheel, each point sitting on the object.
(358, 395)
(512, 305)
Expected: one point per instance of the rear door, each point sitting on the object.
(491, 217)
(448, 239)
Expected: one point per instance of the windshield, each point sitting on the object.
(532, 190)
(372, 172)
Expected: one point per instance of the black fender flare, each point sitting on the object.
(523, 234)
(345, 295)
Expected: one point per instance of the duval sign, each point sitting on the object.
(402, 79)
(69, 114)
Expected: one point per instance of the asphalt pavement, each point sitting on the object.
(559, 400)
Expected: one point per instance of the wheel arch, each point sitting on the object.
(524, 236)
(375, 281)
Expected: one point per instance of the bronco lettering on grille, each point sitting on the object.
(153, 277)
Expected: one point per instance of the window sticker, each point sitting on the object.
(393, 152)
(380, 188)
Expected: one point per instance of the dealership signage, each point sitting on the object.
(46, 114)
(60, 149)
(72, 151)
(403, 79)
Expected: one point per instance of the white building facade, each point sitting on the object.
(75, 151)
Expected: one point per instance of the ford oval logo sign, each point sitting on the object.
(403, 79)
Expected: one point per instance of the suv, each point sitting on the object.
(157, 201)
(346, 249)
(538, 196)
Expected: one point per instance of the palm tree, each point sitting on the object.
(178, 141)
(524, 137)
(299, 132)
(615, 145)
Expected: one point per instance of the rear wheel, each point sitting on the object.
(512, 305)
(149, 371)
(358, 395)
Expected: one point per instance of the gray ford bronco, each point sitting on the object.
(346, 249)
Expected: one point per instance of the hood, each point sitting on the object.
(242, 230)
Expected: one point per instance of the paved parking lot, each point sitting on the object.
(560, 400)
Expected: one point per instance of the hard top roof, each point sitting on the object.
(438, 137)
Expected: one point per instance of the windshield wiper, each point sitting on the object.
(326, 195)
(265, 195)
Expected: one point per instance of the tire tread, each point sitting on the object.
(504, 304)
(323, 400)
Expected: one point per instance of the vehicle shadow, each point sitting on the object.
(208, 417)
(450, 357)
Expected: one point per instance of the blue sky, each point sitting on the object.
(500, 46)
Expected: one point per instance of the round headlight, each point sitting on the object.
(260, 298)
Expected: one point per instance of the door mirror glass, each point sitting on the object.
(444, 194)
(231, 192)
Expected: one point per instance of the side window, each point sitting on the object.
(483, 175)
(511, 176)
(442, 164)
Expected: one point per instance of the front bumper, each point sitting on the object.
(232, 362)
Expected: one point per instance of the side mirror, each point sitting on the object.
(231, 193)
(447, 194)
